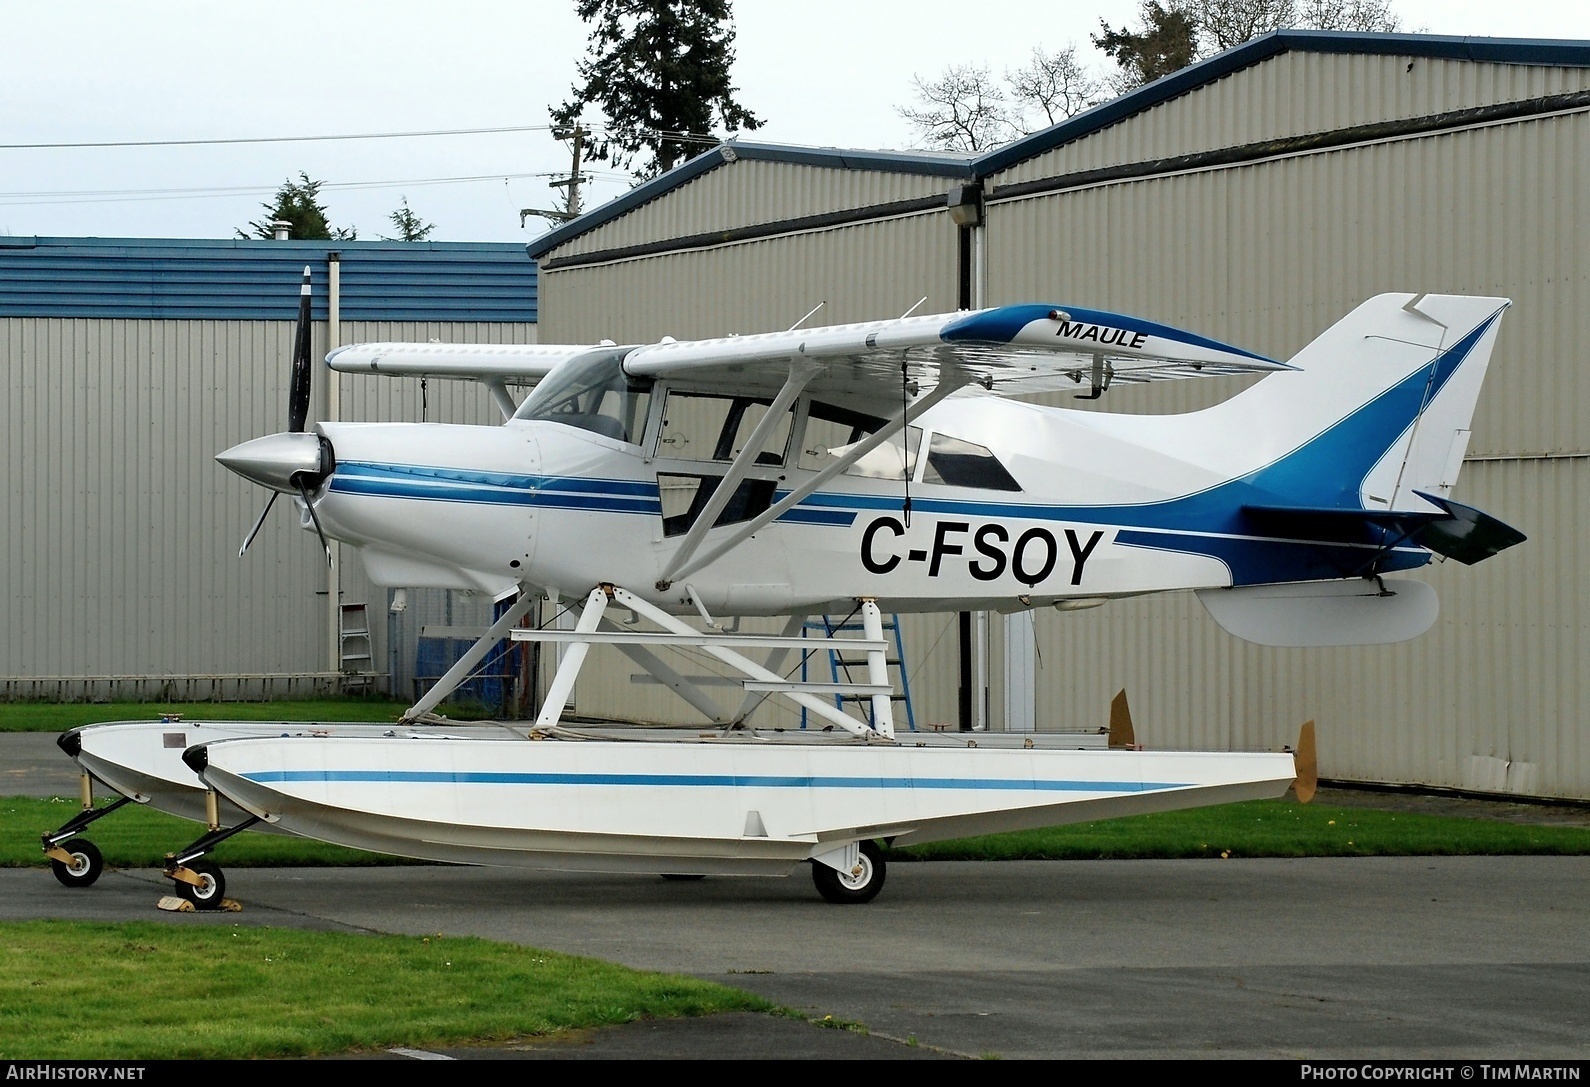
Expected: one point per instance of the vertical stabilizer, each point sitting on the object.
(1379, 407)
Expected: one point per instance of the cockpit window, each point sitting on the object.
(593, 395)
(957, 463)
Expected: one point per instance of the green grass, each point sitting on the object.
(139, 837)
(142, 990)
(60, 716)
(1263, 828)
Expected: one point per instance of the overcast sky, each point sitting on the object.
(817, 72)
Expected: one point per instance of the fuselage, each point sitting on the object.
(1008, 505)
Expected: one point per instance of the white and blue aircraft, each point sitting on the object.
(873, 467)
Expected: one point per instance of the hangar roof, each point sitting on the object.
(947, 165)
(1545, 52)
(1492, 50)
(250, 279)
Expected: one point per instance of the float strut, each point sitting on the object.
(205, 844)
(81, 820)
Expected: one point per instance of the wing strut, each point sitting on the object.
(500, 394)
(950, 380)
(799, 374)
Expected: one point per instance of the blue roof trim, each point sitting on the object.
(248, 279)
(833, 158)
(1544, 51)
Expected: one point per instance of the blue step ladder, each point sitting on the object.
(853, 669)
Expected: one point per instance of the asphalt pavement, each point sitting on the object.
(1478, 957)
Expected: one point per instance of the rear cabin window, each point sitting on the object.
(956, 463)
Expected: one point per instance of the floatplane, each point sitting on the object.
(655, 490)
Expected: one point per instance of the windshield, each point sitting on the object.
(591, 394)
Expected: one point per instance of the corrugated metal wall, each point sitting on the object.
(243, 279)
(1267, 256)
(119, 529)
(862, 272)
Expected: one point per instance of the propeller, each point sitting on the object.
(293, 462)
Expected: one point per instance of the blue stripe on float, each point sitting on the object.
(759, 781)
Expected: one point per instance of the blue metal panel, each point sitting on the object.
(258, 280)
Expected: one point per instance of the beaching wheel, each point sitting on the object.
(843, 888)
(85, 867)
(207, 894)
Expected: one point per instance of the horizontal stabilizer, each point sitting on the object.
(1338, 525)
(1362, 611)
(1456, 531)
(1465, 534)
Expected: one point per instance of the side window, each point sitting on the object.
(715, 428)
(955, 463)
(685, 497)
(832, 430)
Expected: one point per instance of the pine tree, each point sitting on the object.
(410, 227)
(1167, 43)
(659, 72)
(298, 203)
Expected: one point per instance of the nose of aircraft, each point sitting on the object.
(281, 461)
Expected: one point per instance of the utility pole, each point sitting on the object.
(571, 203)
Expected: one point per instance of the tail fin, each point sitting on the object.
(1379, 407)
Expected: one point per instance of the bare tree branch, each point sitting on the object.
(1055, 85)
(962, 110)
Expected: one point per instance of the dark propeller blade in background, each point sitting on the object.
(264, 513)
(302, 375)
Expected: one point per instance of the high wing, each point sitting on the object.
(517, 364)
(1009, 351)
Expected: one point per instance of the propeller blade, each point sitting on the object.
(302, 372)
(315, 517)
(266, 512)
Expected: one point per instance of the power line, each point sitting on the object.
(704, 139)
(275, 139)
(110, 196)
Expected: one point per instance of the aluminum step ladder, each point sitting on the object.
(355, 651)
(853, 669)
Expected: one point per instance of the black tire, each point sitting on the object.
(86, 864)
(845, 890)
(208, 896)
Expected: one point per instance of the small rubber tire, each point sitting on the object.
(211, 893)
(843, 889)
(86, 864)
(683, 877)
